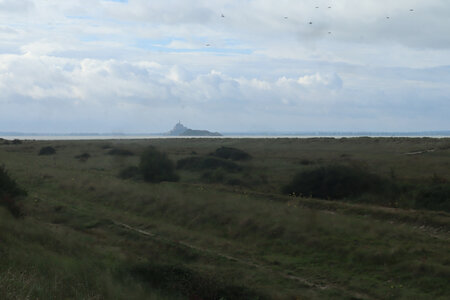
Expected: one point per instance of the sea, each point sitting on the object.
(231, 135)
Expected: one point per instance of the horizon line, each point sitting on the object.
(236, 133)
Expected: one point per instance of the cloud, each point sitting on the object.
(167, 12)
(41, 76)
(131, 61)
(331, 81)
(13, 6)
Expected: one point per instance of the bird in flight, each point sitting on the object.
(222, 16)
(285, 17)
(207, 45)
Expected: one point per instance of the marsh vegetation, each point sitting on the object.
(202, 218)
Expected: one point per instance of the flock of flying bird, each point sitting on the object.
(310, 23)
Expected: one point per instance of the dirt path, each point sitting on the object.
(303, 281)
(420, 152)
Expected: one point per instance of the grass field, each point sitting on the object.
(225, 229)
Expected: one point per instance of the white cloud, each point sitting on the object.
(41, 77)
(13, 6)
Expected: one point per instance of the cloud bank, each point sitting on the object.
(140, 66)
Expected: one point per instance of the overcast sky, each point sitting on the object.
(287, 65)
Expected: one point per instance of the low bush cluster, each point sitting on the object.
(9, 191)
(217, 167)
(231, 153)
(435, 196)
(188, 283)
(83, 157)
(47, 151)
(352, 183)
(336, 182)
(154, 166)
(13, 142)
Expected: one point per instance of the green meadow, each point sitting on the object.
(201, 218)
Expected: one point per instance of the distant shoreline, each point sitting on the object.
(11, 136)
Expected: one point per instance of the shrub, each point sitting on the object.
(16, 142)
(207, 163)
(231, 153)
(336, 182)
(9, 190)
(47, 151)
(9, 185)
(434, 197)
(121, 152)
(155, 166)
(11, 205)
(189, 283)
(83, 157)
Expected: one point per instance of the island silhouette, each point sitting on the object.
(181, 130)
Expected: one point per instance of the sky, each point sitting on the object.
(140, 66)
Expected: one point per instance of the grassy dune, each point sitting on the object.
(222, 232)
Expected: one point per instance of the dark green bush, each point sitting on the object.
(337, 182)
(231, 153)
(47, 151)
(207, 163)
(83, 157)
(120, 152)
(434, 197)
(9, 190)
(183, 281)
(16, 142)
(155, 166)
(9, 185)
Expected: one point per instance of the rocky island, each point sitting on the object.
(181, 130)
